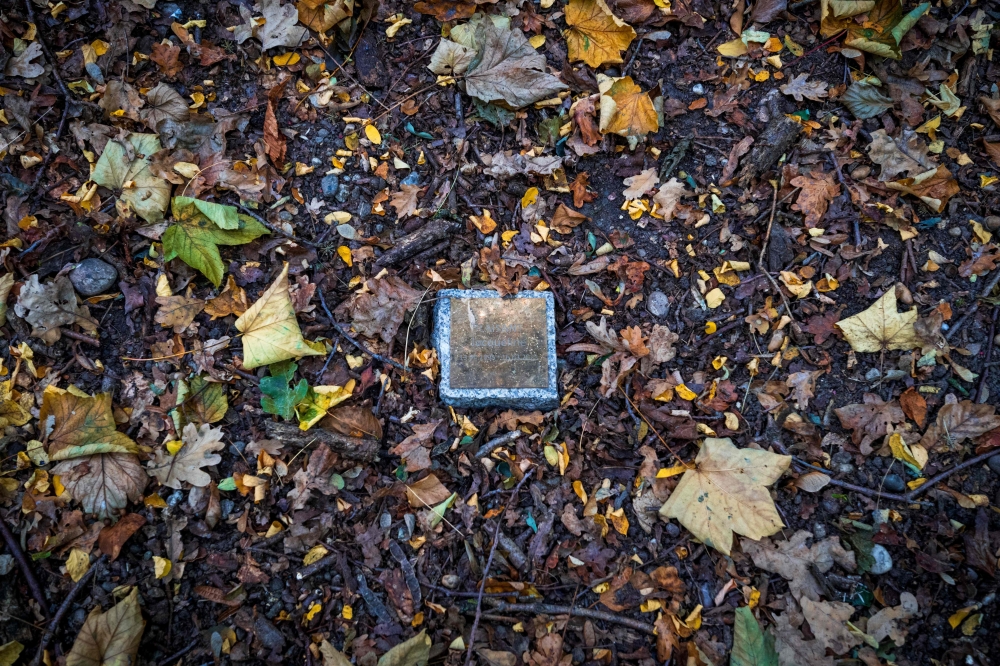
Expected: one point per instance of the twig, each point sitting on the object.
(276, 230)
(29, 5)
(934, 480)
(552, 609)
(974, 306)
(486, 572)
(843, 181)
(763, 253)
(861, 490)
(15, 549)
(495, 443)
(64, 608)
(80, 337)
(316, 567)
(180, 653)
(985, 370)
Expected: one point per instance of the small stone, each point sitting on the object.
(996, 340)
(330, 184)
(894, 483)
(412, 179)
(93, 276)
(843, 468)
(872, 374)
(659, 304)
(992, 222)
(698, 89)
(993, 462)
(819, 531)
(450, 581)
(861, 172)
(673, 530)
(955, 231)
(883, 560)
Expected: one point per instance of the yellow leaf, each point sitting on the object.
(173, 446)
(718, 362)
(347, 613)
(344, 253)
(485, 222)
(650, 606)
(626, 110)
(530, 197)
(373, 134)
(733, 49)
(580, 492)
(668, 472)
(313, 611)
(796, 50)
(315, 554)
(286, 59)
(77, 564)
(162, 566)
(595, 35)
(619, 521)
(9, 652)
(715, 298)
(537, 41)
(727, 492)
(916, 455)
(881, 326)
(959, 615)
(81, 425)
(270, 330)
(684, 392)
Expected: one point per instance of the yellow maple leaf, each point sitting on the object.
(595, 35)
(726, 492)
(626, 110)
(881, 326)
(270, 330)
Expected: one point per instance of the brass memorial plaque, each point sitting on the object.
(498, 343)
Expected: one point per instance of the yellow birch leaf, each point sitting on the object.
(684, 392)
(344, 253)
(315, 554)
(881, 326)
(595, 35)
(270, 330)
(726, 492)
(373, 134)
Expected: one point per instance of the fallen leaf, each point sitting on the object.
(146, 194)
(934, 187)
(231, 301)
(426, 492)
(637, 186)
(111, 638)
(380, 310)
(870, 420)
(595, 35)
(79, 425)
(888, 154)
(451, 58)
(9, 652)
(828, 622)
(274, 140)
(52, 305)
(888, 622)
(113, 538)
(882, 31)
(280, 27)
(321, 15)
(803, 385)
(103, 483)
(163, 102)
(565, 219)
(503, 165)
(668, 196)
(199, 450)
(914, 406)
(765, 11)
(177, 311)
(959, 421)
(726, 493)
(800, 87)
(626, 110)
(865, 101)
(751, 646)
(405, 201)
(794, 560)
(793, 649)
(508, 68)
(278, 397)
(881, 327)
(412, 652)
(818, 189)
(22, 65)
(202, 401)
(167, 58)
(822, 326)
(415, 449)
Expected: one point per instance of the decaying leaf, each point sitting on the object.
(111, 638)
(869, 420)
(125, 169)
(881, 327)
(726, 492)
(865, 100)
(626, 110)
(280, 27)
(800, 87)
(380, 308)
(958, 421)
(507, 68)
(828, 622)
(270, 330)
(889, 622)
(49, 306)
(934, 187)
(163, 102)
(795, 560)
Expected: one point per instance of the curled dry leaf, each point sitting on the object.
(726, 492)
(934, 187)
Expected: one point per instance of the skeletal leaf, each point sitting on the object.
(880, 327)
(726, 492)
(270, 330)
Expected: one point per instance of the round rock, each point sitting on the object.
(93, 276)
(659, 304)
(330, 184)
(894, 483)
(883, 560)
(993, 462)
(992, 222)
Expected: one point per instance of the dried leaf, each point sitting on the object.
(148, 195)
(380, 310)
(112, 638)
(626, 110)
(668, 196)
(163, 102)
(726, 492)
(49, 306)
(794, 560)
(451, 58)
(273, 138)
(508, 68)
(881, 327)
(800, 87)
(818, 189)
(934, 187)
(405, 201)
(888, 622)
(828, 621)
(870, 420)
(177, 311)
(280, 26)
(959, 421)
(595, 35)
(22, 65)
(199, 450)
(637, 186)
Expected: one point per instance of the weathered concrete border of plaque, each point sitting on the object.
(541, 393)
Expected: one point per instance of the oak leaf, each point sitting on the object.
(881, 327)
(626, 110)
(112, 638)
(828, 621)
(595, 35)
(379, 310)
(726, 492)
(270, 330)
(818, 189)
(166, 56)
(199, 450)
(280, 27)
(795, 560)
(870, 420)
(799, 87)
(639, 184)
(668, 196)
(405, 201)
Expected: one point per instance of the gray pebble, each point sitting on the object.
(883, 560)
(412, 179)
(894, 483)
(993, 462)
(343, 193)
(955, 231)
(996, 340)
(659, 304)
(843, 468)
(175, 498)
(673, 530)
(330, 184)
(93, 276)
(364, 209)
(698, 89)
(872, 374)
(861, 172)
(831, 505)
(992, 222)
(819, 531)
(227, 506)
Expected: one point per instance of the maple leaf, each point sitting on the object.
(958, 421)
(112, 638)
(639, 184)
(881, 326)
(166, 57)
(800, 87)
(887, 622)
(822, 326)
(726, 492)
(199, 450)
(934, 187)
(626, 110)
(595, 35)
(803, 385)
(321, 15)
(794, 560)
(668, 196)
(380, 310)
(817, 191)
(405, 201)
(508, 68)
(869, 420)
(52, 305)
(270, 330)
(177, 311)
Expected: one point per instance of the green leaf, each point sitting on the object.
(9, 652)
(225, 217)
(908, 21)
(228, 484)
(148, 195)
(279, 397)
(414, 652)
(751, 646)
(205, 403)
(865, 101)
(195, 238)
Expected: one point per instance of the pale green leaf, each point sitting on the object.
(148, 195)
(751, 646)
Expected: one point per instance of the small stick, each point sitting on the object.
(868, 492)
(15, 549)
(316, 567)
(552, 609)
(495, 443)
(974, 306)
(180, 653)
(29, 5)
(934, 480)
(80, 337)
(274, 229)
(50, 633)
(985, 370)
(486, 572)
